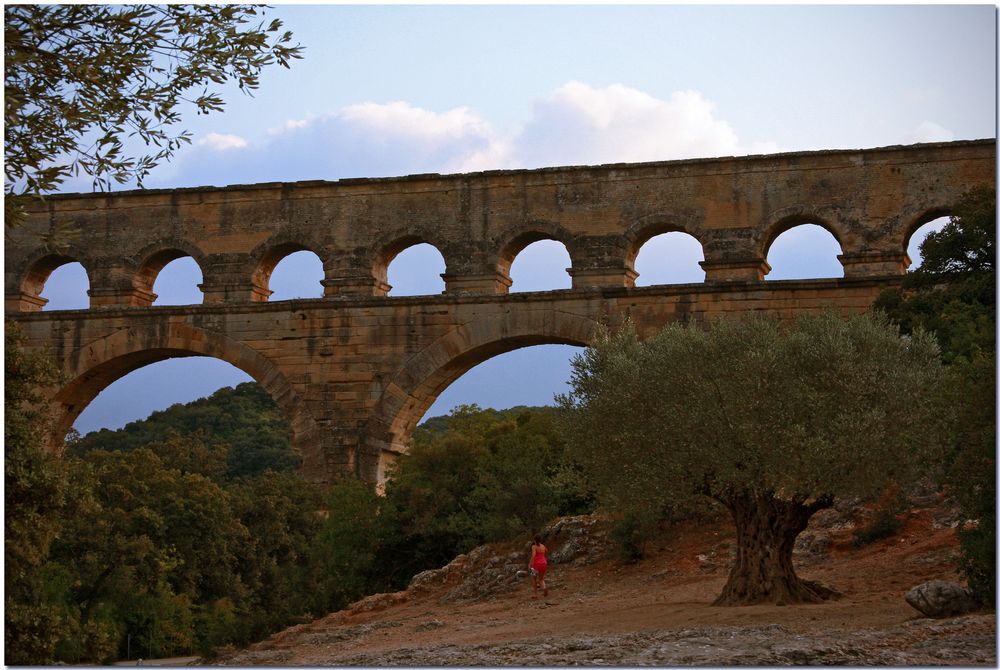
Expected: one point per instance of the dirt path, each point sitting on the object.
(656, 612)
(176, 661)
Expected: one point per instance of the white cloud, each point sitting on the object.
(403, 120)
(220, 142)
(928, 131)
(577, 124)
(290, 124)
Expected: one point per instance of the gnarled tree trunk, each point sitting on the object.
(766, 528)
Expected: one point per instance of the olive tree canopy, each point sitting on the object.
(771, 419)
(81, 79)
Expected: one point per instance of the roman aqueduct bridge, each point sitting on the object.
(355, 370)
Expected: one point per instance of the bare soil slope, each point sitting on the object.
(479, 610)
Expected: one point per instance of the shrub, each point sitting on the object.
(884, 524)
(978, 561)
(630, 533)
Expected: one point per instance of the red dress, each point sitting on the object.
(538, 562)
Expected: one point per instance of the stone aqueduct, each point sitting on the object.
(355, 370)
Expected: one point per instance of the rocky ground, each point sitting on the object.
(478, 610)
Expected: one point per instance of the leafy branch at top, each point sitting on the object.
(81, 80)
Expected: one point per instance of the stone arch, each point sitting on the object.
(266, 256)
(514, 241)
(36, 272)
(389, 246)
(94, 367)
(785, 219)
(645, 229)
(914, 223)
(413, 388)
(154, 257)
(650, 226)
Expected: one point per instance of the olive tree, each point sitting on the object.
(80, 80)
(773, 420)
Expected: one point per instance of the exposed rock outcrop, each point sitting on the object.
(938, 599)
(490, 570)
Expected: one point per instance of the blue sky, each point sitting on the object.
(391, 90)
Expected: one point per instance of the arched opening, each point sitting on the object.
(670, 258)
(169, 277)
(147, 405)
(415, 269)
(498, 382)
(917, 238)
(98, 365)
(66, 288)
(62, 279)
(490, 376)
(296, 275)
(541, 266)
(154, 387)
(413, 389)
(804, 251)
(177, 283)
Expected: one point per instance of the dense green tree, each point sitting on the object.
(80, 80)
(38, 494)
(282, 515)
(178, 563)
(970, 468)
(474, 476)
(515, 491)
(169, 548)
(953, 295)
(425, 513)
(156, 540)
(772, 420)
(343, 553)
(243, 426)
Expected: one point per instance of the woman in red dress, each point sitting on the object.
(537, 566)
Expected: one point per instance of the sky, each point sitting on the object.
(394, 90)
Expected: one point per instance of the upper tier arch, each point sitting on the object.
(149, 261)
(35, 271)
(931, 213)
(791, 217)
(513, 242)
(650, 226)
(388, 247)
(266, 256)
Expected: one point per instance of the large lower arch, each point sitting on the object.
(415, 387)
(94, 367)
